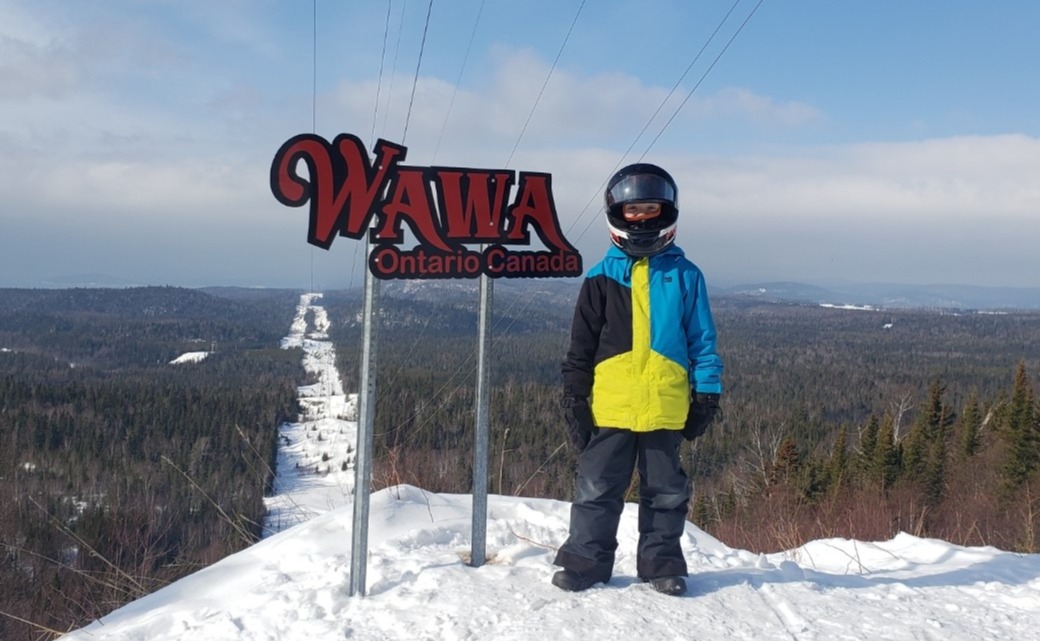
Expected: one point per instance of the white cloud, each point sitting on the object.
(943, 179)
(761, 110)
(574, 111)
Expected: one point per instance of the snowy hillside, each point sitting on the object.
(293, 585)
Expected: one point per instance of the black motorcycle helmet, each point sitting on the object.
(644, 183)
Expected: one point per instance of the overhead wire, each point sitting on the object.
(523, 130)
(530, 298)
(660, 107)
(418, 64)
(415, 81)
(703, 76)
(382, 62)
(372, 137)
(541, 91)
(498, 328)
(472, 354)
(393, 73)
(415, 343)
(314, 100)
(650, 120)
(458, 81)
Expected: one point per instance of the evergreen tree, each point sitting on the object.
(786, 464)
(886, 460)
(970, 425)
(838, 466)
(1020, 433)
(935, 464)
(931, 425)
(813, 478)
(867, 445)
(702, 516)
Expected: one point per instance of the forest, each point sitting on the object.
(124, 472)
(127, 472)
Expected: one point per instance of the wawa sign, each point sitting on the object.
(446, 208)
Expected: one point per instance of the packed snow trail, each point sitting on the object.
(315, 468)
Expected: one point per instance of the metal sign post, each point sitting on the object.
(481, 439)
(363, 457)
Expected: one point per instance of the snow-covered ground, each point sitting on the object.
(293, 585)
(315, 469)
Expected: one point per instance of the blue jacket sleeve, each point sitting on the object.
(705, 363)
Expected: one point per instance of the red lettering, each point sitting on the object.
(411, 202)
(341, 187)
(469, 212)
(535, 204)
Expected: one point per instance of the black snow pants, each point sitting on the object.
(604, 473)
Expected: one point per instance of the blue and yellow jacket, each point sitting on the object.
(642, 336)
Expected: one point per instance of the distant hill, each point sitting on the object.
(887, 295)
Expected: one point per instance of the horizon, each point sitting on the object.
(107, 281)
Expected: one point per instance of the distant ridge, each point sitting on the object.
(889, 295)
(87, 280)
(549, 293)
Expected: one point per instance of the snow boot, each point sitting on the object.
(670, 585)
(573, 581)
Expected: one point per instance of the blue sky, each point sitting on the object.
(883, 141)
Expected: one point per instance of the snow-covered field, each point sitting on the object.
(293, 585)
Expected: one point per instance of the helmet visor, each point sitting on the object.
(638, 187)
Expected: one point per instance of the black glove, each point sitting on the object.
(703, 408)
(578, 416)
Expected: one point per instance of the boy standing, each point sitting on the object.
(641, 374)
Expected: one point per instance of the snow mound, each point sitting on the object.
(293, 586)
(190, 357)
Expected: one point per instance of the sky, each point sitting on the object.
(294, 585)
(817, 141)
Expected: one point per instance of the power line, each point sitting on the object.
(393, 73)
(675, 113)
(418, 63)
(458, 81)
(372, 137)
(546, 83)
(314, 67)
(703, 76)
(529, 299)
(523, 130)
(697, 57)
(314, 99)
(379, 84)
